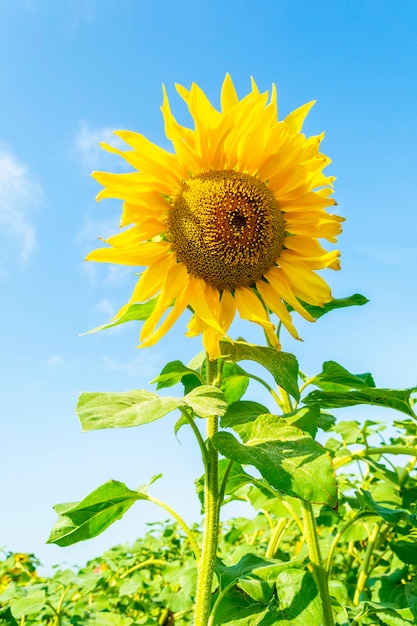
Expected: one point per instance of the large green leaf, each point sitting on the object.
(135, 312)
(206, 401)
(398, 399)
(242, 412)
(97, 410)
(338, 303)
(249, 602)
(86, 519)
(289, 460)
(334, 377)
(282, 365)
(33, 603)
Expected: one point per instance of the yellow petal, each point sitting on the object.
(279, 282)
(152, 279)
(176, 280)
(252, 309)
(295, 119)
(274, 302)
(228, 97)
(305, 283)
(202, 305)
(145, 254)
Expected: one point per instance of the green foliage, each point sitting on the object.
(333, 534)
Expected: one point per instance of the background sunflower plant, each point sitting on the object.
(231, 223)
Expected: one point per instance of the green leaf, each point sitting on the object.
(288, 459)
(405, 549)
(234, 382)
(299, 601)
(110, 619)
(398, 399)
(206, 400)
(392, 516)
(86, 519)
(97, 410)
(173, 373)
(338, 303)
(282, 365)
(386, 613)
(334, 377)
(242, 412)
(305, 418)
(249, 564)
(135, 312)
(34, 603)
(6, 617)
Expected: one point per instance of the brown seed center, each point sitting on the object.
(226, 227)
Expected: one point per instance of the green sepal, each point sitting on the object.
(288, 459)
(83, 520)
(134, 313)
(282, 365)
(98, 410)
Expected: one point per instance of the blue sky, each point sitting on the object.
(74, 70)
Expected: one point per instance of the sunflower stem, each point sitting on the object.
(319, 572)
(211, 518)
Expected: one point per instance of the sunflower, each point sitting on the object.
(229, 222)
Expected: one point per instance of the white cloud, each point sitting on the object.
(19, 193)
(389, 254)
(146, 364)
(105, 307)
(55, 361)
(93, 157)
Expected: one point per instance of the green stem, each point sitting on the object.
(276, 536)
(268, 387)
(319, 573)
(224, 483)
(141, 565)
(407, 450)
(197, 434)
(336, 540)
(211, 518)
(263, 485)
(365, 567)
(190, 535)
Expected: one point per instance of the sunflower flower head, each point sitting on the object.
(228, 223)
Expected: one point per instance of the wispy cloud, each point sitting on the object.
(389, 254)
(146, 363)
(55, 361)
(93, 157)
(19, 194)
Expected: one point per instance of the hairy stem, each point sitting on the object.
(211, 518)
(319, 573)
